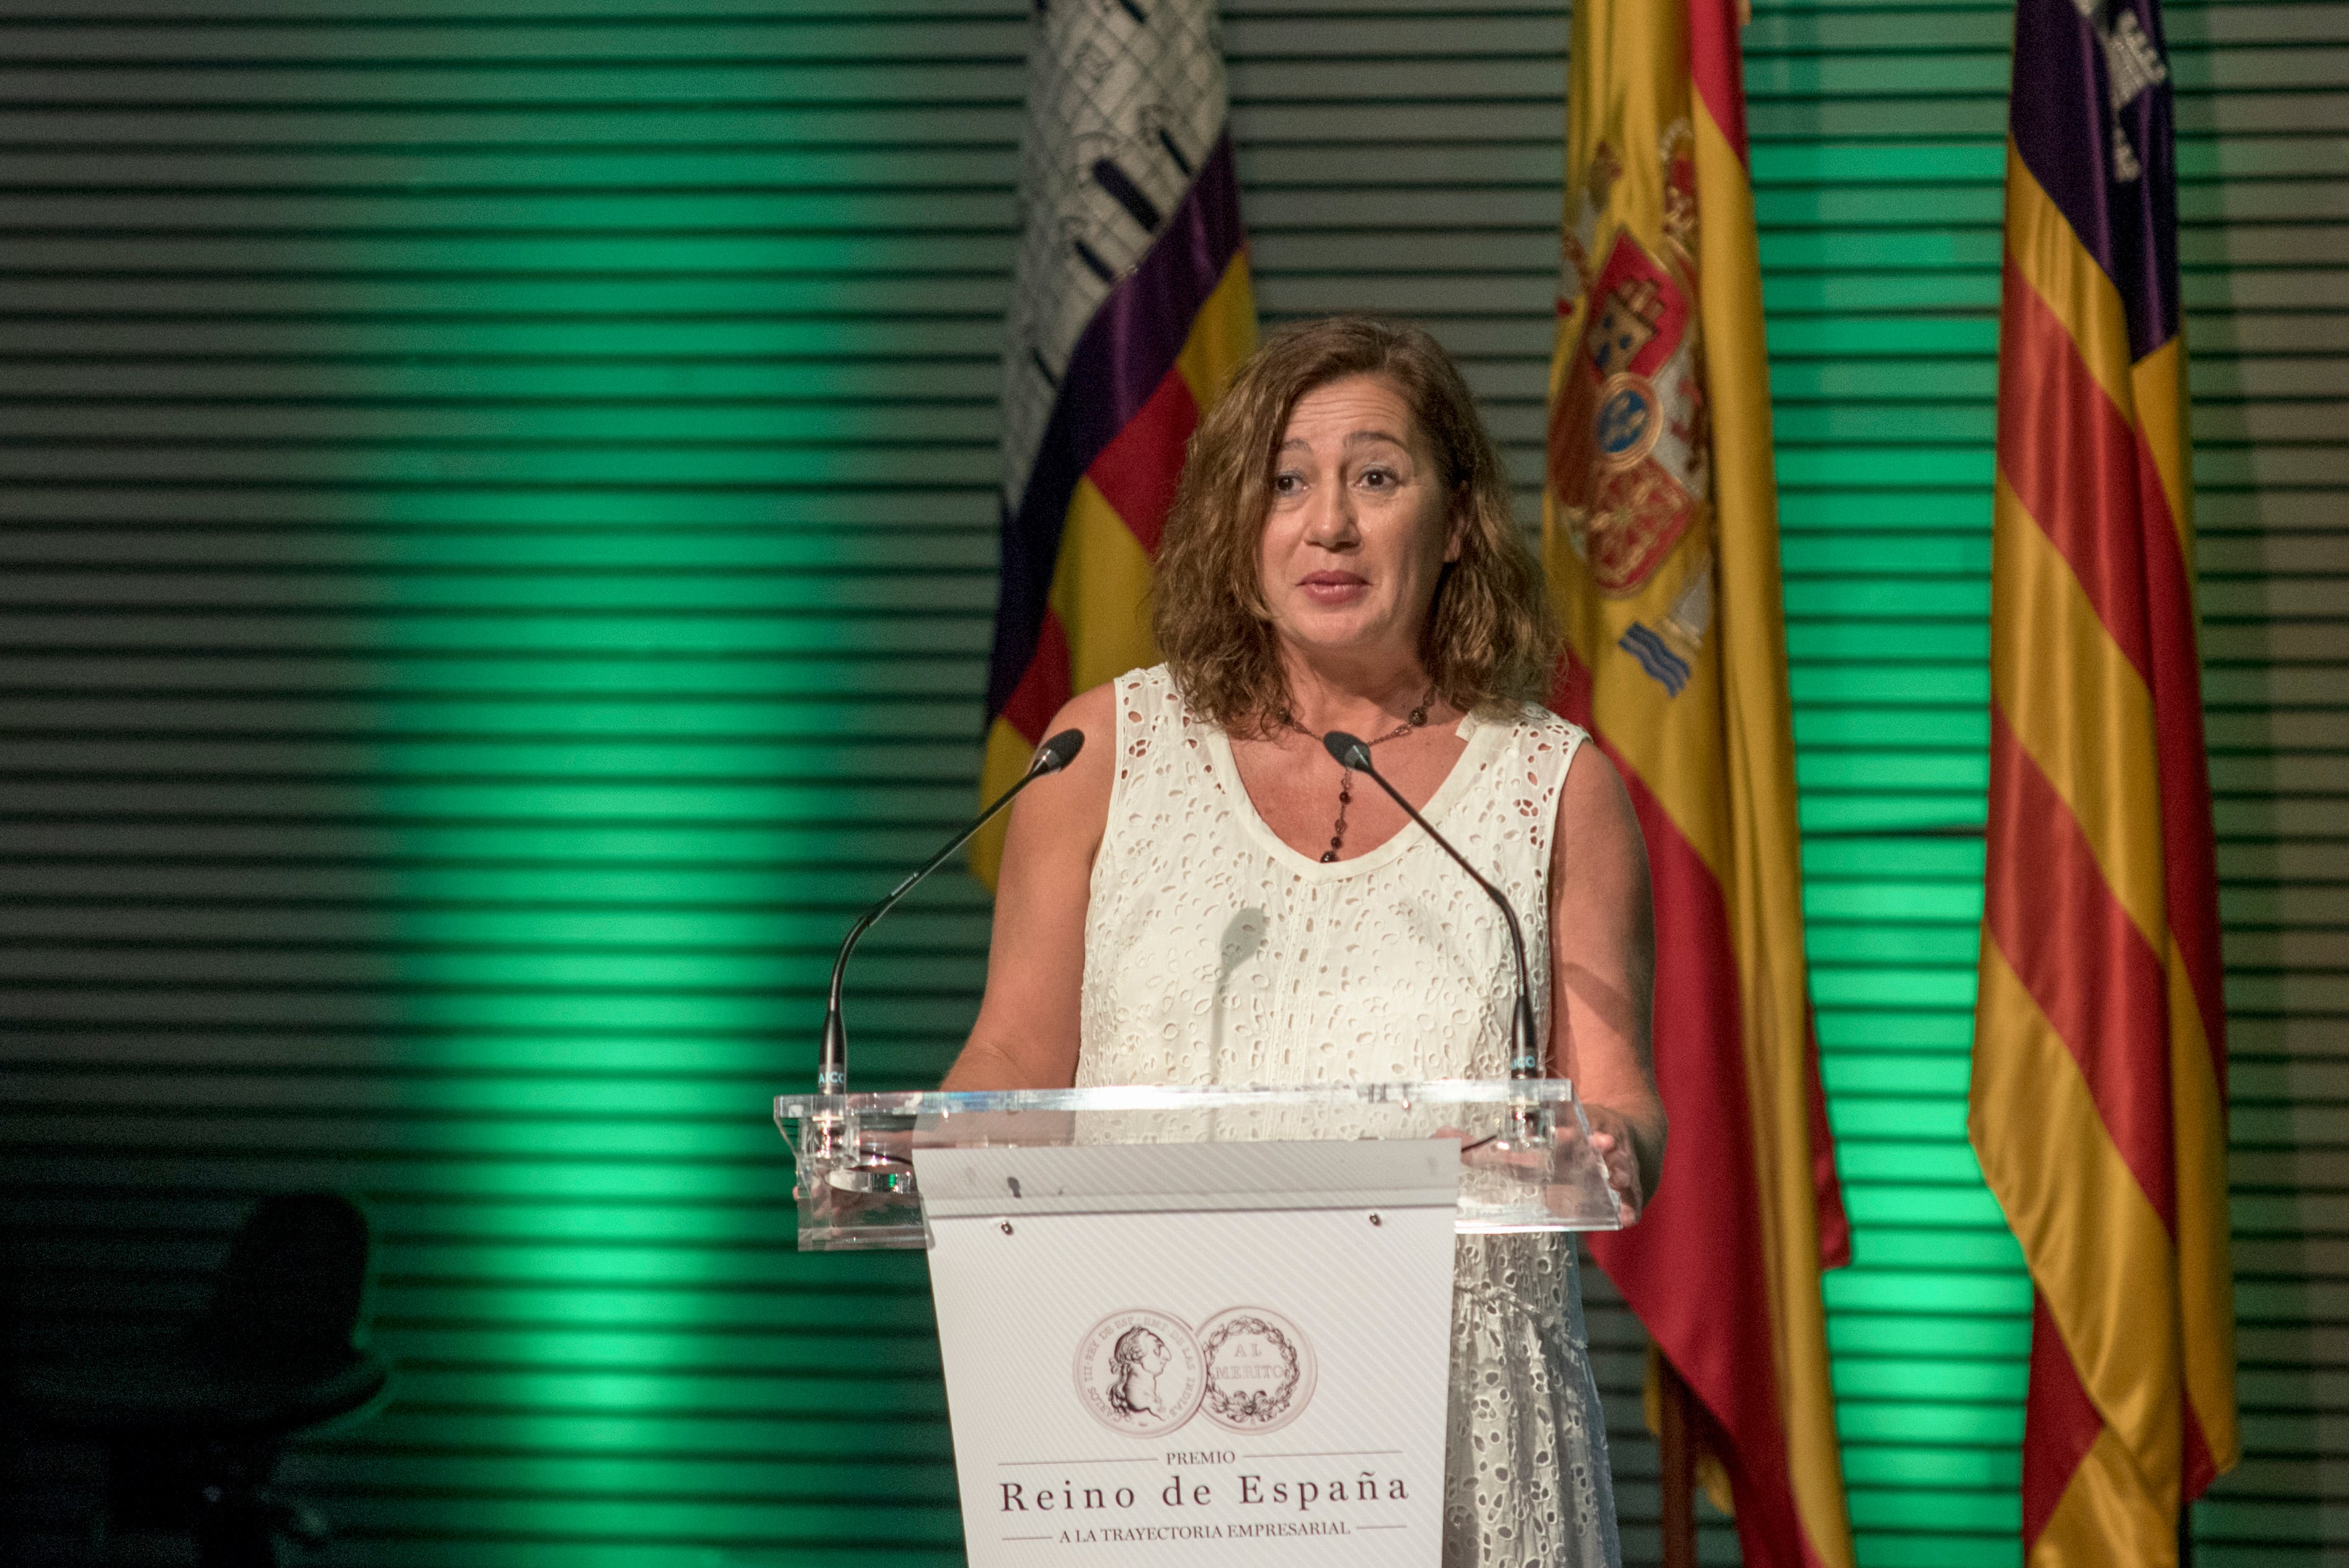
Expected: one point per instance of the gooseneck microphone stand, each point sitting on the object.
(1524, 1059)
(875, 1170)
(831, 1069)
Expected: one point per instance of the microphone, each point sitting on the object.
(831, 1070)
(1526, 1060)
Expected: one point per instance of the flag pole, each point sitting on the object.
(1678, 1513)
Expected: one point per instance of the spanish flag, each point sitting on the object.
(1131, 306)
(2098, 1103)
(1661, 533)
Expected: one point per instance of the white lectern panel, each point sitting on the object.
(1254, 1372)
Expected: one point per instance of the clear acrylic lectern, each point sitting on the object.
(1525, 1162)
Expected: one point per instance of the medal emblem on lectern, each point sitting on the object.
(1139, 1372)
(1259, 1370)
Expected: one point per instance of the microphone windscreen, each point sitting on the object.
(1060, 750)
(1349, 751)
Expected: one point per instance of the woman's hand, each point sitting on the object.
(1611, 1141)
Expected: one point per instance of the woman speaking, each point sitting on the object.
(1205, 896)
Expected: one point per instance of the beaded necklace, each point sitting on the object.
(1417, 717)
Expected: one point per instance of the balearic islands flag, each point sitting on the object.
(1130, 308)
(1661, 532)
(2098, 1104)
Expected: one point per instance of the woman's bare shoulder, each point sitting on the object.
(1094, 712)
(1081, 791)
(1598, 827)
(1594, 786)
(1089, 710)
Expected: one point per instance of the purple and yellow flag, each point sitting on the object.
(1131, 306)
(2098, 1104)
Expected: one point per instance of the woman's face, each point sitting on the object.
(1360, 523)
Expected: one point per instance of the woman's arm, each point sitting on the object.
(1026, 1036)
(1602, 958)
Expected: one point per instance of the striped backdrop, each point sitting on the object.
(499, 540)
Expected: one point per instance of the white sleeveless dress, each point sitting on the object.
(1217, 953)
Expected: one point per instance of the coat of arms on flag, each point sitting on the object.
(1626, 432)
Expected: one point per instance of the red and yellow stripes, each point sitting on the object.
(2097, 1103)
(1096, 624)
(1677, 663)
(1803, 1222)
(1074, 611)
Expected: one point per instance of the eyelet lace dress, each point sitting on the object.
(1217, 953)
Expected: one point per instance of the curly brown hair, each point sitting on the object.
(1491, 639)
